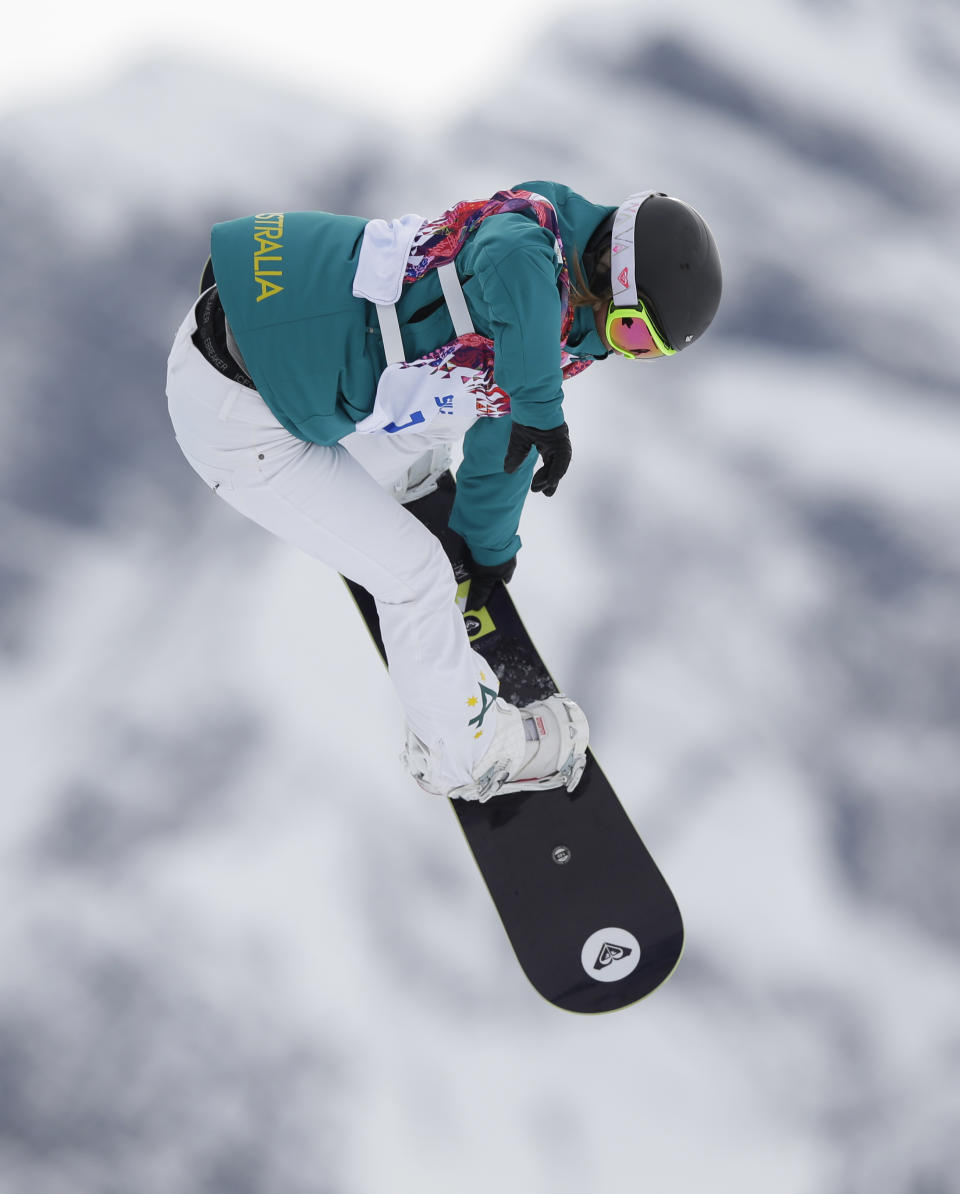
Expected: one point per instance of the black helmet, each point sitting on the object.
(663, 253)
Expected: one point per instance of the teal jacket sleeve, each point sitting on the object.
(517, 270)
(514, 266)
(489, 501)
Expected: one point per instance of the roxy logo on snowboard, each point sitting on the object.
(610, 954)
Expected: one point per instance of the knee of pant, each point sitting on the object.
(431, 576)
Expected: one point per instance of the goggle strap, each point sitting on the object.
(623, 282)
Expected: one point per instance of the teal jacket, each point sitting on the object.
(315, 353)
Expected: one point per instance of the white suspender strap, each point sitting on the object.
(456, 303)
(390, 333)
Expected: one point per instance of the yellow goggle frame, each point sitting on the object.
(638, 312)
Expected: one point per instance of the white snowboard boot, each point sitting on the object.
(422, 476)
(541, 746)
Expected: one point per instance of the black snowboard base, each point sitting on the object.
(591, 919)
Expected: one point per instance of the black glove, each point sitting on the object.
(554, 448)
(484, 578)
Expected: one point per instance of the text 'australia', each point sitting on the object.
(267, 257)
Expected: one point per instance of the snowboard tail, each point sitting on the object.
(592, 921)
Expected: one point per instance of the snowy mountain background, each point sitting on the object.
(240, 953)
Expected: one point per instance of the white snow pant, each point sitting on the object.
(321, 500)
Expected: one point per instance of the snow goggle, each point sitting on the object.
(631, 332)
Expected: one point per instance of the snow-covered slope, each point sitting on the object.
(239, 953)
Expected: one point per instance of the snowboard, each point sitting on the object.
(592, 921)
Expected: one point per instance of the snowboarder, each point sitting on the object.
(331, 362)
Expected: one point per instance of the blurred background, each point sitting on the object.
(239, 952)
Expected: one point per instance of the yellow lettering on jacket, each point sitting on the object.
(267, 257)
